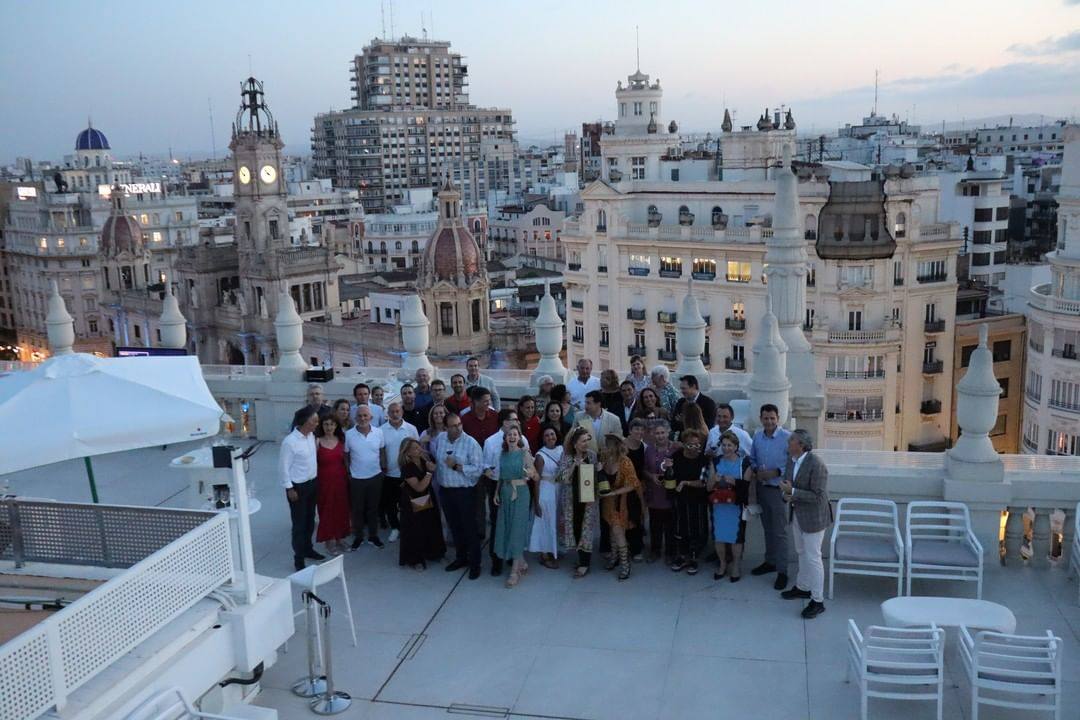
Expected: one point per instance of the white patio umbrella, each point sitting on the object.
(92, 406)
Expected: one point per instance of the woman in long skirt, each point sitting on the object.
(514, 500)
(421, 527)
(578, 519)
(332, 490)
(545, 538)
(619, 471)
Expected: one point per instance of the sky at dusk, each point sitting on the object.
(146, 72)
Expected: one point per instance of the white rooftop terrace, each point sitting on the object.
(661, 645)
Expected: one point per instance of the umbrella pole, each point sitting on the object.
(90, 474)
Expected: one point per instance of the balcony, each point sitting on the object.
(857, 337)
(666, 355)
(602, 307)
(734, 363)
(735, 324)
(934, 326)
(638, 271)
(668, 318)
(670, 273)
(577, 304)
(706, 360)
(578, 339)
(897, 281)
(632, 314)
(930, 407)
(854, 374)
(605, 343)
(737, 278)
(601, 268)
(1064, 405)
(934, 367)
(1064, 353)
(934, 278)
(855, 416)
(573, 266)
(703, 275)
(1042, 298)
(632, 350)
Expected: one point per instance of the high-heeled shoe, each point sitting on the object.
(719, 573)
(513, 579)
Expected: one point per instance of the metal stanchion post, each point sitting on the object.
(332, 701)
(313, 684)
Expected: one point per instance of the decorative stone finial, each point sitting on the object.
(769, 382)
(172, 322)
(727, 125)
(414, 336)
(690, 339)
(289, 329)
(59, 324)
(549, 340)
(974, 457)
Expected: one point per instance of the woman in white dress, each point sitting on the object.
(544, 538)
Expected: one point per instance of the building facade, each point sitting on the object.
(1052, 385)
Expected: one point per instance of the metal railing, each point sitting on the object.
(734, 364)
(632, 350)
(43, 666)
(854, 374)
(934, 367)
(737, 324)
(934, 326)
(666, 355)
(930, 407)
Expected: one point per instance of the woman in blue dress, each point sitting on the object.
(729, 494)
(514, 498)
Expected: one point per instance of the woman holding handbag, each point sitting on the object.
(578, 516)
(421, 527)
(513, 497)
(729, 495)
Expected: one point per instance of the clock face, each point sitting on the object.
(268, 174)
(244, 174)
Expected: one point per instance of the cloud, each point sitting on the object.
(1050, 46)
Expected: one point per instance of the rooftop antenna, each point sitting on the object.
(213, 141)
(637, 46)
(875, 91)
(382, 17)
(251, 73)
(423, 27)
(392, 19)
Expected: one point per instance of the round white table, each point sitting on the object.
(901, 612)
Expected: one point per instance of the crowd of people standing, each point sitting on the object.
(595, 465)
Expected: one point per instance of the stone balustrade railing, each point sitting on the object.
(932, 232)
(753, 234)
(1042, 298)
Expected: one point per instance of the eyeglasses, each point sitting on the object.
(693, 445)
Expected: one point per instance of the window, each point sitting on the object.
(1061, 443)
(808, 324)
(857, 276)
(637, 108)
(601, 221)
(738, 352)
(1064, 394)
(981, 237)
(1004, 383)
(984, 214)
(579, 331)
(854, 320)
(273, 229)
(669, 342)
(477, 319)
(446, 318)
(704, 269)
(928, 353)
(670, 267)
(637, 168)
(738, 271)
(1002, 350)
(605, 337)
(639, 337)
(811, 275)
(1031, 436)
(965, 354)
(640, 265)
(138, 332)
(932, 271)
(900, 228)
(674, 174)
(92, 324)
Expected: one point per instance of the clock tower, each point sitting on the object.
(262, 218)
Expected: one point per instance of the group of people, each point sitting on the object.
(595, 464)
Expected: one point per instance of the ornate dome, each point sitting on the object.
(452, 254)
(121, 232)
(91, 139)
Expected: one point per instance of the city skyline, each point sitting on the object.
(553, 68)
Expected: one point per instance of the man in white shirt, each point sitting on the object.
(582, 384)
(459, 462)
(394, 432)
(725, 420)
(367, 460)
(297, 470)
(362, 396)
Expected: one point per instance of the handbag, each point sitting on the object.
(586, 483)
(722, 496)
(421, 503)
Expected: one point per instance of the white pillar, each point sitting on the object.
(59, 324)
(549, 340)
(414, 336)
(172, 322)
(768, 381)
(289, 329)
(690, 340)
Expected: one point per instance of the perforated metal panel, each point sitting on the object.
(96, 630)
(83, 534)
(119, 615)
(25, 683)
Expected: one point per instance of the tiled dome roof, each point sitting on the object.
(121, 232)
(450, 244)
(91, 139)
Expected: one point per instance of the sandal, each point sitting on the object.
(581, 571)
(513, 579)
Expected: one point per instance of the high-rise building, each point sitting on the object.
(1052, 387)
(411, 127)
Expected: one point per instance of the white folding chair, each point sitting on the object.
(1074, 555)
(866, 540)
(1021, 672)
(311, 577)
(940, 545)
(897, 663)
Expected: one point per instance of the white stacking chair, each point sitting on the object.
(1013, 671)
(866, 540)
(311, 577)
(940, 545)
(1074, 554)
(897, 663)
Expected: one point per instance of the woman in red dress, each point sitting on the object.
(332, 490)
(530, 422)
